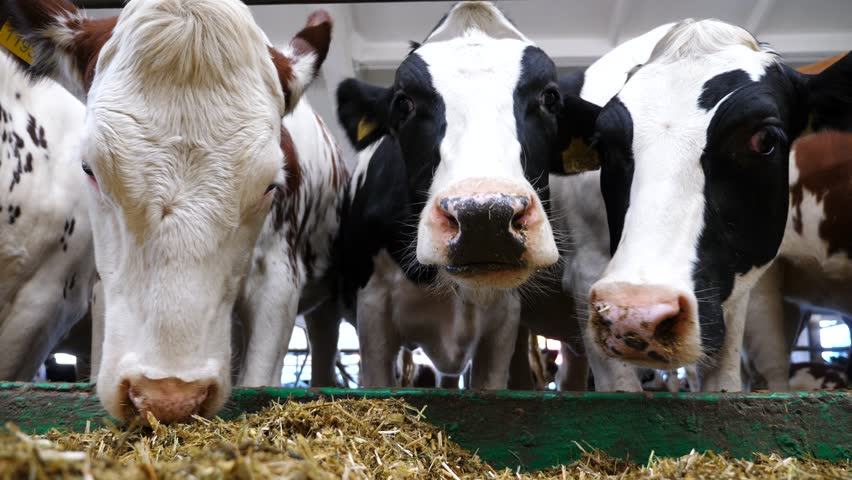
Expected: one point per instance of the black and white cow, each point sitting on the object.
(449, 198)
(46, 255)
(694, 156)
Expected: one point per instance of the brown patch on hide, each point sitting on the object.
(285, 74)
(824, 161)
(821, 65)
(91, 37)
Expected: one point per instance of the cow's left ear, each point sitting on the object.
(55, 40)
(828, 94)
(362, 110)
(299, 63)
(576, 129)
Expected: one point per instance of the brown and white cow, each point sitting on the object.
(694, 173)
(203, 202)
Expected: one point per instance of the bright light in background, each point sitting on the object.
(833, 333)
(65, 359)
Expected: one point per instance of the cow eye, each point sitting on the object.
(764, 141)
(549, 99)
(88, 170)
(403, 106)
(271, 188)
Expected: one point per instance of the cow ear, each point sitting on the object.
(829, 97)
(362, 110)
(299, 62)
(60, 42)
(577, 153)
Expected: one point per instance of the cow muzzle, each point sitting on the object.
(648, 325)
(485, 232)
(169, 400)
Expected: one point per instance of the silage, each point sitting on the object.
(327, 439)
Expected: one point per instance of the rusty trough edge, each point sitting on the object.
(534, 430)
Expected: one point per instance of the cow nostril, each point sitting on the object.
(665, 330)
(518, 221)
(451, 223)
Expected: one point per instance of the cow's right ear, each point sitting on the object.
(62, 43)
(577, 154)
(362, 110)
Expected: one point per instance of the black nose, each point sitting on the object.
(491, 231)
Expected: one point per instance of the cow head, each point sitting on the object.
(474, 114)
(182, 148)
(694, 173)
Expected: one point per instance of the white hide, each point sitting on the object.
(38, 258)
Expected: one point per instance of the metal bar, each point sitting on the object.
(96, 4)
(820, 349)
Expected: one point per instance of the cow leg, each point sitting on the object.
(764, 340)
(96, 307)
(612, 375)
(573, 374)
(323, 325)
(378, 338)
(490, 365)
(268, 313)
(30, 330)
(724, 375)
(520, 374)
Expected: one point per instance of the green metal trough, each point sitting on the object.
(534, 430)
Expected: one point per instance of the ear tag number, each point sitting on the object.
(15, 43)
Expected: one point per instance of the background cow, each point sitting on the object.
(46, 254)
(193, 215)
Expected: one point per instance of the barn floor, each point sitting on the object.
(334, 439)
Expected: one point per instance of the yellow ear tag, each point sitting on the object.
(578, 157)
(15, 44)
(365, 127)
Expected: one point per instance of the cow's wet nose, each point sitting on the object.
(497, 220)
(168, 399)
(641, 323)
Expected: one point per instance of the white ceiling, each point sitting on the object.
(370, 39)
(574, 32)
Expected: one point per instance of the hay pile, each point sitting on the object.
(351, 439)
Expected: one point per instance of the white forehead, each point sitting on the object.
(476, 76)
(474, 67)
(663, 95)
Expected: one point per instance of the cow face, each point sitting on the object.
(182, 149)
(694, 173)
(473, 111)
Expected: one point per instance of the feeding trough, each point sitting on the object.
(536, 430)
